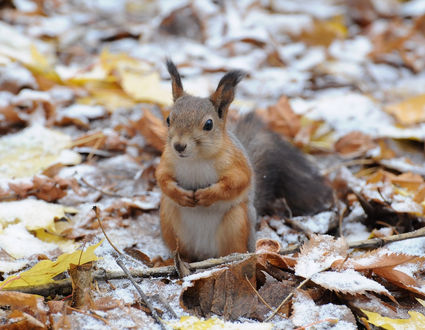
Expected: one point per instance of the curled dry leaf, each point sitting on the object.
(81, 279)
(268, 253)
(224, 292)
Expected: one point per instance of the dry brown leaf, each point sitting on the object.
(281, 118)
(139, 255)
(27, 303)
(268, 253)
(153, 129)
(273, 292)
(225, 292)
(48, 189)
(81, 280)
(409, 181)
(17, 319)
(354, 144)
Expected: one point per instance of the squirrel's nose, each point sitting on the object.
(179, 147)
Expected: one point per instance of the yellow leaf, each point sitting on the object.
(416, 321)
(110, 98)
(44, 271)
(41, 65)
(34, 149)
(410, 111)
(66, 245)
(194, 323)
(145, 87)
(116, 74)
(34, 214)
(324, 32)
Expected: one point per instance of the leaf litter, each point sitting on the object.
(81, 123)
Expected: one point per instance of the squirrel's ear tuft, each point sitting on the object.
(225, 91)
(176, 82)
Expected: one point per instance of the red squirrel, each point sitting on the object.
(215, 181)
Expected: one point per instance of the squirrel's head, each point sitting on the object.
(196, 126)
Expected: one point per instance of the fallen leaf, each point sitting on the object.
(319, 253)
(34, 214)
(32, 150)
(349, 281)
(20, 320)
(224, 292)
(24, 302)
(81, 280)
(410, 111)
(152, 128)
(354, 144)
(416, 321)
(281, 118)
(192, 322)
(322, 33)
(44, 271)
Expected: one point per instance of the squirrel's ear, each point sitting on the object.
(225, 91)
(176, 82)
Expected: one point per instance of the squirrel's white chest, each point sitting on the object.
(195, 174)
(200, 224)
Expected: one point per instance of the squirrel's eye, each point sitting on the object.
(208, 125)
(168, 121)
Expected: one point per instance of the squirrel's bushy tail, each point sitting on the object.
(282, 171)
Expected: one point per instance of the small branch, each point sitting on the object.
(258, 294)
(64, 286)
(107, 193)
(289, 296)
(120, 263)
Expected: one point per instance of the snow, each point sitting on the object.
(319, 223)
(306, 312)
(17, 74)
(348, 281)
(19, 243)
(413, 246)
(318, 254)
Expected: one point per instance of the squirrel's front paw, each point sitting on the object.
(204, 197)
(184, 197)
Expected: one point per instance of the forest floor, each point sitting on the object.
(83, 96)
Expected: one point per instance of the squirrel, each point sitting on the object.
(215, 180)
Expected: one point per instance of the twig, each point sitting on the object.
(166, 271)
(258, 294)
(289, 296)
(92, 314)
(129, 276)
(107, 193)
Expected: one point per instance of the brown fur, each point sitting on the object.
(233, 232)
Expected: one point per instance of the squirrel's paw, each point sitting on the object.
(204, 197)
(184, 197)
